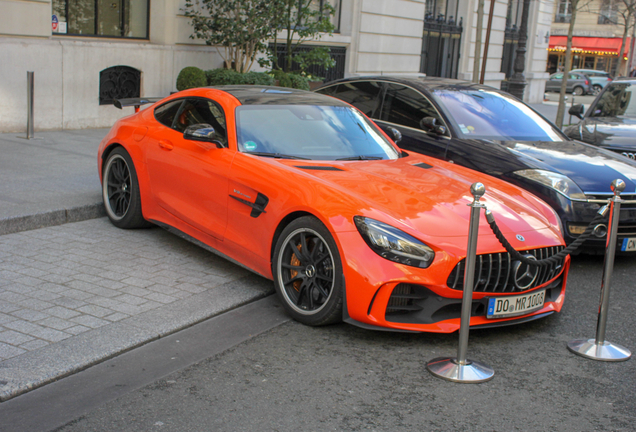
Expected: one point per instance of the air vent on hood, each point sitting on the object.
(423, 165)
(319, 168)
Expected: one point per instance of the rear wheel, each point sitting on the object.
(120, 191)
(596, 89)
(578, 91)
(308, 272)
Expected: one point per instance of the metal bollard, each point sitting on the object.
(461, 369)
(599, 348)
(30, 127)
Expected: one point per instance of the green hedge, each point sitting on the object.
(191, 77)
(291, 80)
(218, 77)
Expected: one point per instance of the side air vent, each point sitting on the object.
(423, 165)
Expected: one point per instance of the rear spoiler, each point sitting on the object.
(136, 102)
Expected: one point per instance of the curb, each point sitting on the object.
(51, 218)
(35, 369)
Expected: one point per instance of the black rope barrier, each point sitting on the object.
(554, 259)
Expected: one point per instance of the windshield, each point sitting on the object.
(616, 101)
(310, 132)
(492, 115)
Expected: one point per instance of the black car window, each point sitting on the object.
(327, 90)
(362, 95)
(199, 110)
(166, 113)
(404, 106)
(616, 101)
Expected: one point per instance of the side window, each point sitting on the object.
(405, 106)
(558, 76)
(327, 90)
(574, 76)
(166, 113)
(362, 95)
(197, 111)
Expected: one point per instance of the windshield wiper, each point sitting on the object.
(276, 155)
(361, 157)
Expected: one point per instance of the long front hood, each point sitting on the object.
(592, 168)
(433, 200)
(611, 133)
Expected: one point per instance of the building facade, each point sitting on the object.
(597, 38)
(84, 53)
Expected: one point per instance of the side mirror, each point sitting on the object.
(429, 124)
(577, 111)
(397, 135)
(202, 132)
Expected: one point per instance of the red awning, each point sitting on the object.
(590, 45)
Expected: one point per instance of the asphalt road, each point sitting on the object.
(341, 377)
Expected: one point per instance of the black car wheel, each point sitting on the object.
(596, 89)
(120, 191)
(578, 91)
(308, 272)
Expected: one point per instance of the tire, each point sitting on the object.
(578, 91)
(308, 273)
(596, 89)
(120, 191)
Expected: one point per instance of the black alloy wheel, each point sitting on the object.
(308, 272)
(120, 191)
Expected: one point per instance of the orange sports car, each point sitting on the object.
(305, 190)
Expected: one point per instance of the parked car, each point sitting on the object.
(610, 121)
(488, 130)
(577, 84)
(599, 79)
(303, 189)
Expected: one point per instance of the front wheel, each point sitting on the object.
(596, 89)
(578, 91)
(308, 272)
(120, 191)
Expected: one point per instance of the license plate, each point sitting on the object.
(508, 306)
(629, 244)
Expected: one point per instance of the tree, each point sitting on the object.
(239, 26)
(576, 4)
(301, 22)
(628, 7)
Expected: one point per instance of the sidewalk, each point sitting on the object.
(75, 294)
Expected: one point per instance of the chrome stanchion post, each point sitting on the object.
(461, 369)
(30, 85)
(599, 348)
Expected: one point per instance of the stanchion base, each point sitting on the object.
(472, 372)
(606, 351)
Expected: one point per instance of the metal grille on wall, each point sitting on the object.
(338, 54)
(440, 46)
(118, 82)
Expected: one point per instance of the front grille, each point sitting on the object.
(494, 272)
(627, 230)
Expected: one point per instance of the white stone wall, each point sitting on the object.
(386, 37)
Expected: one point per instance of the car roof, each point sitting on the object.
(269, 95)
(430, 83)
(589, 70)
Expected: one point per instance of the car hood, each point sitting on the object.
(431, 197)
(590, 167)
(609, 132)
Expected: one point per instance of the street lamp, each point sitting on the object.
(517, 83)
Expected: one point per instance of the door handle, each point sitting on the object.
(165, 144)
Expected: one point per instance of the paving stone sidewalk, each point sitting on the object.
(75, 294)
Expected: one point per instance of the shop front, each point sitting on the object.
(599, 53)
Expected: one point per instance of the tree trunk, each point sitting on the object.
(480, 26)
(566, 67)
(621, 60)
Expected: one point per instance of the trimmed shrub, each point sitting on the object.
(291, 80)
(258, 78)
(222, 76)
(191, 77)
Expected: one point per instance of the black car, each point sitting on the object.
(488, 130)
(610, 122)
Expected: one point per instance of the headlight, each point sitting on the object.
(393, 244)
(560, 183)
